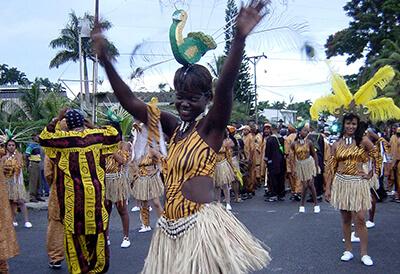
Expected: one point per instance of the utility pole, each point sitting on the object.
(254, 60)
(95, 67)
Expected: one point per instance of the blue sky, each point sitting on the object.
(28, 26)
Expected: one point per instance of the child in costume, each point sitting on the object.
(348, 181)
(195, 235)
(148, 185)
(12, 168)
(224, 173)
(305, 165)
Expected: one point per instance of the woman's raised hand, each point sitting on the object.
(99, 42)
(249, 16)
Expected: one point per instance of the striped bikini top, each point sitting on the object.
(302, 150)
(351, 156)
(187, 158)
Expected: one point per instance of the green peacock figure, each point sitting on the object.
(188, 50)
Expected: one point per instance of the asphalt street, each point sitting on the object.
(300, 243)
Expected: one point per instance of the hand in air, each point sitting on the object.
(249, 16)
(99, 42)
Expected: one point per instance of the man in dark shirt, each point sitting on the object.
(274, 154)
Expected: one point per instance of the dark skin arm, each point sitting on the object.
(313, 154)
(212, 130)
(128, 100)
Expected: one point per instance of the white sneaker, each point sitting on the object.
(15, 224)
(228, 207)
(150, 209)
(302, 209)
(317, 209)
(353, 239)
(135, 209)
(144, 229)
(125, 243)
(28, 224)
(347, 256)
(108, 241)
(369, 224)
(366, 260)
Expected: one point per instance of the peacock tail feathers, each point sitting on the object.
(382, 109)
(380, 79)
(205, 38)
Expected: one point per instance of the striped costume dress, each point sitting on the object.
(349, 190)
(198, 238)
(80, 160)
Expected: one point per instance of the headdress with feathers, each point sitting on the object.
(23, 136)
(362, 103)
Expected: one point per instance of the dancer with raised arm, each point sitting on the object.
(195, 235)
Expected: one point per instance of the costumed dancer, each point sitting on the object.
(236, 156)
(349, 191)
(264, 170)
(305, 165)
(148, 185)
(224, 173)
(13, 163)
(79, 157)
(55, 227)
(8, 239)
(249, 150)
(395, 172)
(295, 184)
(195, 235)
(381, 160)
(116, 181)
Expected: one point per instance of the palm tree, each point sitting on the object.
(68, 42)
(388, 55)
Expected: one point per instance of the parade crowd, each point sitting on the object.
(199, 164)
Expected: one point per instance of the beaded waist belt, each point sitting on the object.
(112, 176)
(175, 229)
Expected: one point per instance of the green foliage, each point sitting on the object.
(278, 105)
(243, 88)
(372, 22)
(12, 76)
(68, 42)
(303, 108)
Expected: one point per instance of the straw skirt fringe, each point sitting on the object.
(16, 190)
(374, 182)
(223, 174)
(350, 193)
(146, 188)
(213, 241)
(117, 188)
(305, 169)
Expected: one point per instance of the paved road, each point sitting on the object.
(306, 243)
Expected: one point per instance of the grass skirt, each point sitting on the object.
(146, 188)
(16, 190)
(350, 193)
(209, 241)
(117, 188)
(223, 174)
(305, 169)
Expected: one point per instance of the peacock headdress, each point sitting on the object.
(116, 114)
(363, 103)
(190, 49)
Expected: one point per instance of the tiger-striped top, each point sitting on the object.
(351, 156)
(187, 158)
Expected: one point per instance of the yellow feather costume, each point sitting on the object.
(363, 102)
